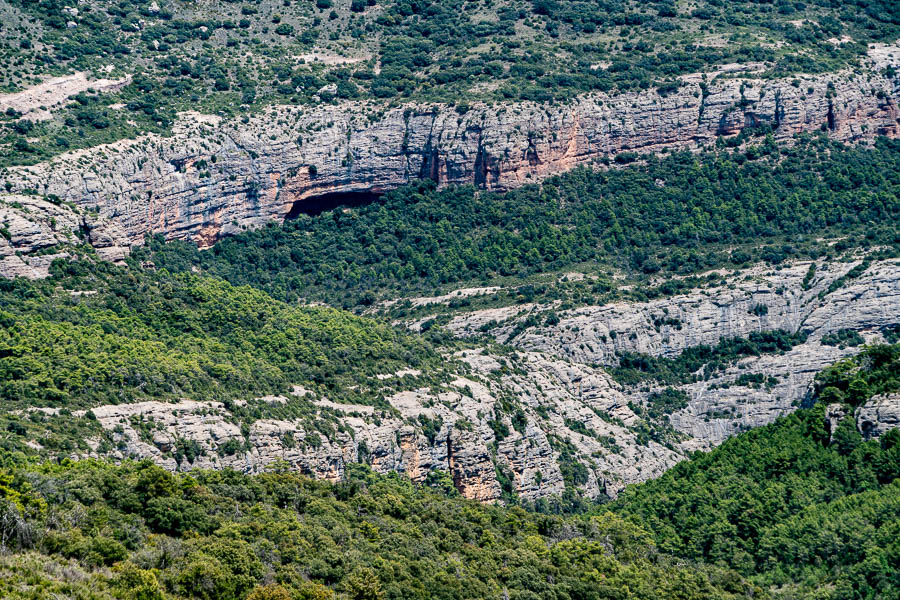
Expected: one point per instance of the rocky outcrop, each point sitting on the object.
(834, 414)
(32, 229)
(525, 417)
(29, 225)
(879, 415)
(754, 391)
(35, 103)
(214, 177)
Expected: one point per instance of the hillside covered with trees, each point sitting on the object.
(308, 409)
(792, 505)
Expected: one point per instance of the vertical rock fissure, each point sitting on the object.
(451, 466)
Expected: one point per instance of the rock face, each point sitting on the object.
(29, 225)
(35, 103)
(756, 390)
(879, 415)
(530, 421)
(214, 177)
(524, 417)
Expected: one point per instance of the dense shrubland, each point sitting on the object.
(676, 214)
(700, 362)
(232, 57)
(224, 535)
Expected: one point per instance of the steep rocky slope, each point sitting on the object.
(34, 229)
(529, 397)
(760, 299)
(214, 177)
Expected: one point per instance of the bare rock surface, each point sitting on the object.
(35, 103)
(510, 415)
(754, 391)
(879, 415)
(32, 228)
(29, 225)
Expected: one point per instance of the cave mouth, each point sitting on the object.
(316, 205)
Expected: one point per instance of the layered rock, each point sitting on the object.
(29, 225)
(546, 415)
(510, 415)
(754, 391)
(32, 229)
(214, 177)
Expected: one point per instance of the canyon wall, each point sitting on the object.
(215, 177)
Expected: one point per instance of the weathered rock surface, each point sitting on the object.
(533, 420)
(214, 177)
(879, 415)
(513, 415)
(35, 103)
(30, 227)
(759, 299)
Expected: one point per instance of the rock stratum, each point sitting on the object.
(216, 177)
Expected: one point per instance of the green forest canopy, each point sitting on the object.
(792, 505)
(97, 334)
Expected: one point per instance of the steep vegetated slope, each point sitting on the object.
(807, 504)
(528, 252)
(126, 336)
(223, 535)
(191, 372)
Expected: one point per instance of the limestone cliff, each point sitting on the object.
(506, 416)
(726, 403)
(214, 177)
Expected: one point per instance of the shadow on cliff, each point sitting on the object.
(316, 205)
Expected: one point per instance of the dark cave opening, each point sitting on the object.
(316, 205)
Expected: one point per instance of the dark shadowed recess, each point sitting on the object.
(325, 202)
